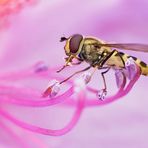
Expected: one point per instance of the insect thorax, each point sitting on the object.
(89, 53)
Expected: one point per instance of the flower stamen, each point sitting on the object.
(131, 68)
(52, 90)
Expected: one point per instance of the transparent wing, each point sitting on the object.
(127, 46)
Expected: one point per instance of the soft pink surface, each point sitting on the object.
(33, 35)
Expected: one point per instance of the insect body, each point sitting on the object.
(100, 55)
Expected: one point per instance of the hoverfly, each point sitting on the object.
(100, 55)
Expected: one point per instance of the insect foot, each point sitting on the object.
(102, 94)
(131, 68)
(52, 90)
(119, 78)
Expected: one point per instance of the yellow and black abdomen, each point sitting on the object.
(143, 66)
(117, 62)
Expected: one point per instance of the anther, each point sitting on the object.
(40, 66)
(86, 77)
(119, 78)
(79, 85)
(131, 68)
(52, 90)
(81, 82)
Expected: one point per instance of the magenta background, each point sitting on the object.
(34, 35)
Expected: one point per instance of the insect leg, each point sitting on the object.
(103, 92)
(114, 52)
(68, 60)
(108, 57)
(102, 74)
(85, 69)
(121, 59)
(102, 62)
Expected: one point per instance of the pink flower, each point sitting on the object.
(33, 37)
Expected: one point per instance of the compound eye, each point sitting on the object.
(75, 43)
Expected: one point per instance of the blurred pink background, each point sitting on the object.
(32, 34)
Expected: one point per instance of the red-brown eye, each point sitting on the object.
(75, 42)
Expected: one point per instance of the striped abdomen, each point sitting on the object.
(116, 60)
(143, 66)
